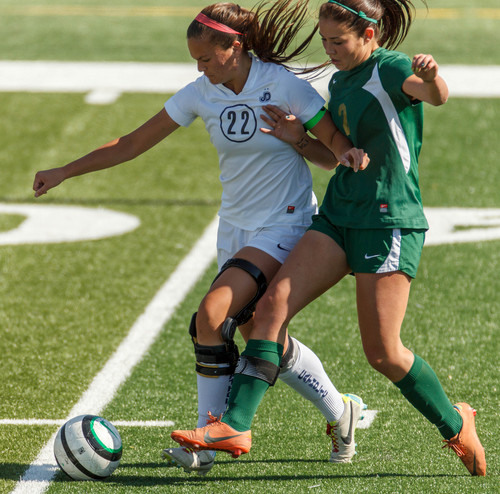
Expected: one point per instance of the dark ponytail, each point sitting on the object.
(394, 18)
(268, 31)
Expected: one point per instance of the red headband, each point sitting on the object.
(214, 24)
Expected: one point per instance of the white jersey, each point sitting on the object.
(265, 181)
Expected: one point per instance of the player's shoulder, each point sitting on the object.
(272, 71)
(392, 59)
(393, 67)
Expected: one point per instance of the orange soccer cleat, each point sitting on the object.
(215, 436)
(466, 444)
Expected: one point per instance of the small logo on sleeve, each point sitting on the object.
(384, 208)
(290, 210)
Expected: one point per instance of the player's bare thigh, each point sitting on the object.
(316, 263)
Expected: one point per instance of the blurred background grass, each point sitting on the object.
(154, 31)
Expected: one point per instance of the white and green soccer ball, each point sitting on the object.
(88, 447)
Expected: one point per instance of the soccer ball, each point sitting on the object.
(88, 447)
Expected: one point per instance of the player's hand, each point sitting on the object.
(425, 67)
(46, 180)
(355, 158)
(286, 127)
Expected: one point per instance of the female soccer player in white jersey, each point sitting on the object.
(370, 223)
(267, 199)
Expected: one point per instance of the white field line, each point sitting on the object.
(104, 82)
(118, 423)
(369, 417)
(118, 368)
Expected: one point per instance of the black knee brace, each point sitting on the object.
(244, 315)
(210, 358)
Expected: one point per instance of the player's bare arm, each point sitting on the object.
(426, 84)
(289, 128)
(328, 133)
(110, 154)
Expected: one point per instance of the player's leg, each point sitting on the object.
(302, 370)
(315, 264)
(382, 300)
(300, 367)
(234, 289)
(230, 292)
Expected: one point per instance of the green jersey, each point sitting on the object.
(369, 106)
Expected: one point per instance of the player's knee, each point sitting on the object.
(385, 361)
(270, 311)
(210, 316)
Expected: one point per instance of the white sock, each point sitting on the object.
(306, 375)
(213, 393)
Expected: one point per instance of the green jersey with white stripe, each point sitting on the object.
(369, 106)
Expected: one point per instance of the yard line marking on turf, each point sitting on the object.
(118, 368)
(118, 423)
(368, 418)
(46, 223)
(104, 82)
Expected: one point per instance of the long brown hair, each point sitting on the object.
(394, 18)
(268, 31)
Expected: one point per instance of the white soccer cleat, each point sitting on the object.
(341, 431)
(200, 462)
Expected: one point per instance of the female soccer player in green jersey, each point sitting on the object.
(370, 224)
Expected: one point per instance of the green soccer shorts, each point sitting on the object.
(377, 250)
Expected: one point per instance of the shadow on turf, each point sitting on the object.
(196, 479)
(13, 471)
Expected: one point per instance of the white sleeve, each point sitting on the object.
(303, 99)
(182, 106)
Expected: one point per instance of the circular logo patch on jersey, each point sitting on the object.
(238, 123)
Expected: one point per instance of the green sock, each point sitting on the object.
(247, 391)
(422, 389)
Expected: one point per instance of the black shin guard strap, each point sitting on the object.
(258, 368)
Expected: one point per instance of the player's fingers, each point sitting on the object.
(41, 191)
(344, 161)
(417, 60)
(365, 162)
(420, 62)
(268, 120)
(271, 110)
(275, 109)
